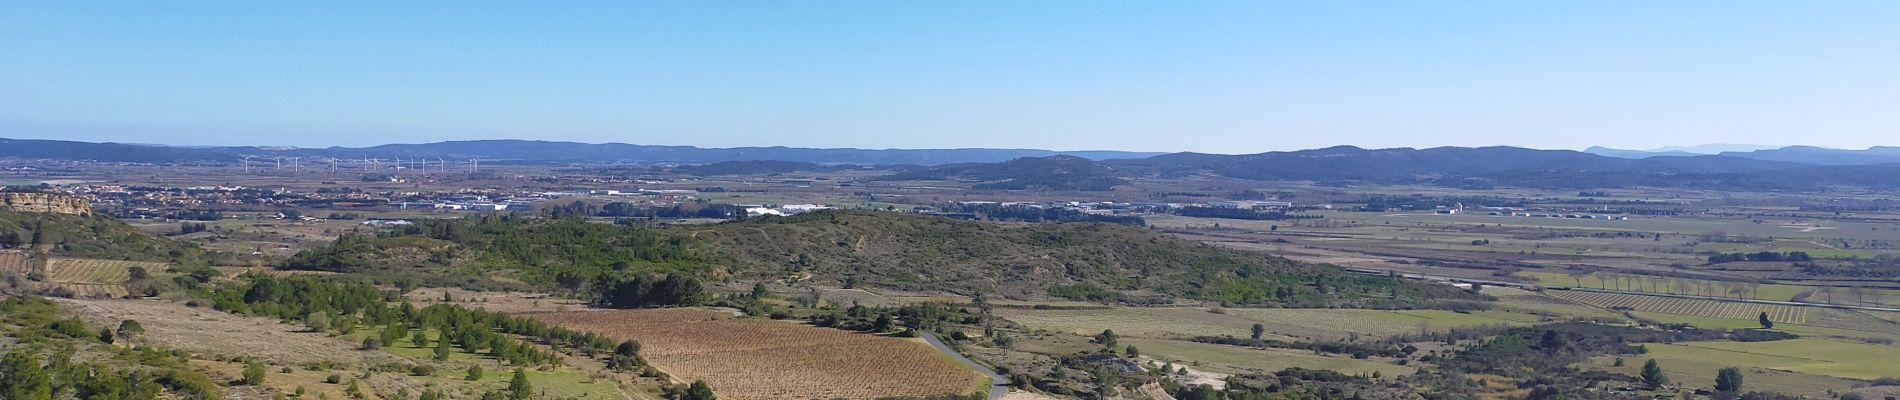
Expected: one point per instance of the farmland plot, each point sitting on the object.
(1698, 307)
(88, 290)
(14, 262)
(1280, 323)
(85, 270)
(763, 359)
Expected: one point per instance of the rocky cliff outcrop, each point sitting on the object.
(44, 203)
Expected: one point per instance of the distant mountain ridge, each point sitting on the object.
(536, 151)
(1824, 156)
(1028, 173)
(550, 151)
(1353, 164)
(1791, 168)
(1797, 154)
(107, 152)
(1622, 153)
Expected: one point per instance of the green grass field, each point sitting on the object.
(1696, 368)
(1813, 356)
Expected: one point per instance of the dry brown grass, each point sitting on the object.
(173, 325)
(763, 359)
(501, 302)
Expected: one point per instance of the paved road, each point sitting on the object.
(999, 385)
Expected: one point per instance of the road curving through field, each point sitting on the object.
(999, 385)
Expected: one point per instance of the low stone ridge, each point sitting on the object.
(44, 203)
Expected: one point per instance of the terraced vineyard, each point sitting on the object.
(90, 290)
(15, 262)
(1697, 307)
(95, 271)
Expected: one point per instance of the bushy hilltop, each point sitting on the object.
(538, 251)
(93, 236)
(1076, 260)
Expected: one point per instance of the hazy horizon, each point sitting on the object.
(1212, 77)
(1704, 148)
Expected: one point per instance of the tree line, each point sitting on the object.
(1792, 256)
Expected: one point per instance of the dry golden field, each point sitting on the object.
(763, 359)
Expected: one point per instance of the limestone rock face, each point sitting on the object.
(44, 203)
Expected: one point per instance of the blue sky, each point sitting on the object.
(1223, 77)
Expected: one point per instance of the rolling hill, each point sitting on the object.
(1029, 173)
(94, 236)
(762, 167)
(1093, 261)
(1069, 259)
(107, 152)
(1824, 156)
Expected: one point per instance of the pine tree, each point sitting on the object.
(518, 388)
(700, 391)
(442, 348)
(129, 329)
(1728, 380)
(1653, 374)
(421, 338)
(392, 333)
(1552, 342)
(21, 377)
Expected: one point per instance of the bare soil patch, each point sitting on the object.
(764, 359)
